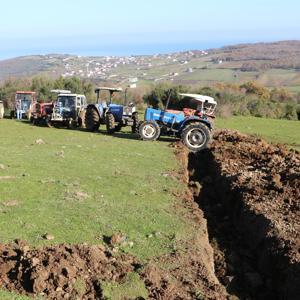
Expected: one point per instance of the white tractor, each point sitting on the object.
(68, 111)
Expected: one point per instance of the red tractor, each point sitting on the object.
(26, 101)
(41, 113)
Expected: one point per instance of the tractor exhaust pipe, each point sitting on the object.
(168, 100)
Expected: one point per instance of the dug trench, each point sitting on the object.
(244, 206)
(249, 192)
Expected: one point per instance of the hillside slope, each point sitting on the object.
(272, 64)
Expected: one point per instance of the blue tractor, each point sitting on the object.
(114, 116)
(193, 125)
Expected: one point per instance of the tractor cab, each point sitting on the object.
(24, 101)
(68, 108)
(115, 116)
(105, 106)
(111, 91)
(199, 105)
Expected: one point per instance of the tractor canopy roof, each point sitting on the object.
(25, 92)
(108, 89)
(61, 91)
(70, 95)
(200, 98)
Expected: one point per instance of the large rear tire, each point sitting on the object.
(92, 119)
(196, 136)
(149, 131)
(110, 123)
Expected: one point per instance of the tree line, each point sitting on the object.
(248, 99)
(43, 86)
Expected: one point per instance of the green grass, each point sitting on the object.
(133, 288)
(4, 295)
(276, 131)
(81, 186)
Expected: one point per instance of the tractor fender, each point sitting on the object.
(194, 120)
(99, 108)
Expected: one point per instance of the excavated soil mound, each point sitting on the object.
(61, 272)
(249, 191)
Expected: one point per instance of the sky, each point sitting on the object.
(116, 27)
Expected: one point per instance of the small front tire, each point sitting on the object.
(149, 131)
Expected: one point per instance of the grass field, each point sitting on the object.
(81, 187)
(276, 131)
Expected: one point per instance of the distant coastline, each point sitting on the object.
(118, 49)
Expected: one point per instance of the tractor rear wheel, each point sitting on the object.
(196, 136)
(92, 119)
(135, 126)
(149, 131)
(110, 123)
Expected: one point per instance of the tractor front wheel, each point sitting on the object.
(196, 136)
(149, 131)
(110, 123)
(92, 119)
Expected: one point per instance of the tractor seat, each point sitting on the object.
(172, 111)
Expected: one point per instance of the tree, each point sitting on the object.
(254, 88)
(158, 97)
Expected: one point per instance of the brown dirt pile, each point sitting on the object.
(61, 272)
